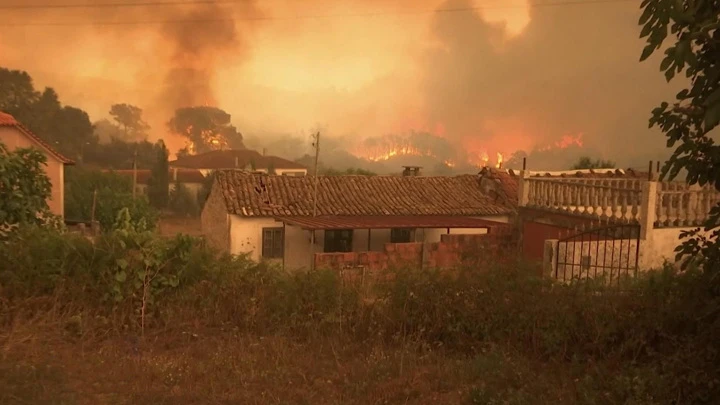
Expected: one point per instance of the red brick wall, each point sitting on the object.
(452, 250)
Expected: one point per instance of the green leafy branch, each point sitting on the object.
(696, 111)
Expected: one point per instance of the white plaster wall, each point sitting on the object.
(246, 235)
(298, 252)
(660, 246)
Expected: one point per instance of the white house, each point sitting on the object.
(271, 217)
(243, 159)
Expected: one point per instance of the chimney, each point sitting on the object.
(411, 171)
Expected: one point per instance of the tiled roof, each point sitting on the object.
(183, 175)
(248, 194)
(7, 120)
(506, 184)
(226, 159)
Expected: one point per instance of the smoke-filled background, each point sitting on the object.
(455, 80)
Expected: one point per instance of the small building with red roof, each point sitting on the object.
(15, 135)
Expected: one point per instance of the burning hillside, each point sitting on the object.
(425, 146)
(422, 145)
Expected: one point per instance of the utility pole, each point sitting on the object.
(134, 174)
(316, 145)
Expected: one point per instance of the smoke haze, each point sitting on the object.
(504, 78)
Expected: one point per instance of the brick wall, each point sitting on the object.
(215, 222)
(488, 249)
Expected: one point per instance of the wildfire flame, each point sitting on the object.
(499, 161)
(386, 148)
(377, 156)
(213, 140)
(565, 142)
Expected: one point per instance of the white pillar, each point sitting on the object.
(648, 205)
(550, 257)
(523, 189)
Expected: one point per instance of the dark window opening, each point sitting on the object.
(339, 240)
(273, 244)
(401, 235)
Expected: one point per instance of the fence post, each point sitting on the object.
(523, 188)
(549, 257)
(648, 204)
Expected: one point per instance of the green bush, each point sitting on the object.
(124, 273)
(24, 186)
(183, 202)
(113, 193)
(655, 341)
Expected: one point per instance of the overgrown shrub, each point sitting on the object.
(122, 274)
(183, 202)
(113, 193)
(24, 188)
(655, 341)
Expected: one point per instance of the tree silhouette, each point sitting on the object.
(586, 162)
(130, 119)
(206, 128)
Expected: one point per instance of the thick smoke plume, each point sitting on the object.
(483, 86)
(197, 48)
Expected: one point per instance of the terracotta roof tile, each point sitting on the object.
(7, 120)
(248, 194)
(225, 159)
(183, 175)
(506, 184)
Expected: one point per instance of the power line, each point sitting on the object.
(559, 3)
(118, 5)
(215, 2)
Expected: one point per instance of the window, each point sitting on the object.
(401, 235)
(273, 243)
(338, 240)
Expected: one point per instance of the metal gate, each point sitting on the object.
(609, 253)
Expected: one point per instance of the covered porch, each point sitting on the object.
(370, 234)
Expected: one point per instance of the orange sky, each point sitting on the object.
(502, 78)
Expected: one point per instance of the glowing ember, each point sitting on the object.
(499, 161)
(449, 163)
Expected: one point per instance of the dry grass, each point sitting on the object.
(220, 367)
(43, 364)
